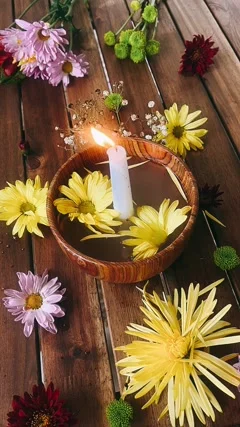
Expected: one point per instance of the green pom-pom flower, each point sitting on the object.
(226, 258)
(137, 54)
(119, 414)
(152, 48)
(109, 38)
(135, 6)
(121, 50)
(137, 39)
(124, 36)
(150, 14)
(113, 101)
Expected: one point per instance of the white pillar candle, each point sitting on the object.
(121, 188)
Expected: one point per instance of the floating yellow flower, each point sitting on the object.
(182, 134)
(175, 354)
(152, 228)
(88, 200)
(25, 204)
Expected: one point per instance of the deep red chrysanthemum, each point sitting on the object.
(6, 62)
(198, 55)
(42, 408)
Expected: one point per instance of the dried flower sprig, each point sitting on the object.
(25, 204)
(198, 55)
(139, 42)
(35, 301)
(41, 408)
(172, 352)
(119, 413)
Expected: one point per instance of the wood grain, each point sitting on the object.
(195, 18)
(18, 364)
(227, 14)
(76, 358)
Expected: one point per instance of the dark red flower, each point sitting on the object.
(198, 55)
(24, 147)
(209, 197)
(42, 408)
(6, 62)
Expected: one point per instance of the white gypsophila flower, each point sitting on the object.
(105, 93)
(148, 116)
(151, 104)
(142, 134)
(61, 135)
(56, 128)
(124, 102)
(149, 137)
(134, 117)
(69, 140)
(126, 133)
(74, 116)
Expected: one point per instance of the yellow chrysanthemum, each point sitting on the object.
(25, 204)
(182, 134)
(88, 200)
(152, 228)
(175, 354)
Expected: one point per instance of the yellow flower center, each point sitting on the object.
(19, 42)
(67, 67)
(40, 419)
(26, 207)
(33, 302)
(178, 131)
(177, 346)
(42, 37)
(86, 207)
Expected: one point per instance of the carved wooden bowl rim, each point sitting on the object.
(52, 217)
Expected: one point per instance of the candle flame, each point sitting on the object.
(100, 138)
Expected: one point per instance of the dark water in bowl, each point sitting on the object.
(151, 184)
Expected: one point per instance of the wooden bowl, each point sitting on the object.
(128, 271)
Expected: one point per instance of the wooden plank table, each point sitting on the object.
(79, 358)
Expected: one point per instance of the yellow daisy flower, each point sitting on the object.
(87, 200)
(173, 352)
(152, 228)
(182, 134)
(25, 204)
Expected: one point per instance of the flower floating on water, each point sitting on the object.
(87, 201)
(151, 228)
(119, 413)
(209, 197)
(182, 134)
(36, 301)
(173, 352)
(25, 204)
(226, 258)
(198, 55)
(41, 408)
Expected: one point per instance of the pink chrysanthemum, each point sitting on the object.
(66, 64)
(198, 55)
(13, 40)
(30, 67)
(42, 41)
(36, 301)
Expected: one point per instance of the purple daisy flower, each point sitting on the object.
(66, 64)
(36, 301)
(30, 67)
(13, 41)
(41, 40)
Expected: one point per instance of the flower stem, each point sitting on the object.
(155, 28)
(124, 24)
(69, 13)
(70, 36)
(25, 11)
(47, 15)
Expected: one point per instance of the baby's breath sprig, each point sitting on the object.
(139, 42)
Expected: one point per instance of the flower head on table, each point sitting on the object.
(172, 351)
(41, 408)
(25, 204)
(151, 228)
(66, 64)
(198, 55)
(37, 300)
(182, 134)
(88, 201)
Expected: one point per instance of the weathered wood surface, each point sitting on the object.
(76, 359)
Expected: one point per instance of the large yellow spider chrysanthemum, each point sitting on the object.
(175, 354)
(25, 204)
(152, 228)
(182, 134)
(88, 200)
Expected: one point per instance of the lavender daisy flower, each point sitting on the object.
(30, 67)
(36, 300)
(41, 40)
(66, 64)
(13, 41)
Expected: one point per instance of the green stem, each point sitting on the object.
(70, 8)
(155, 28)
(25, 11)
(70, 36)
(118, 118)
(125, 23)
(54, 23)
